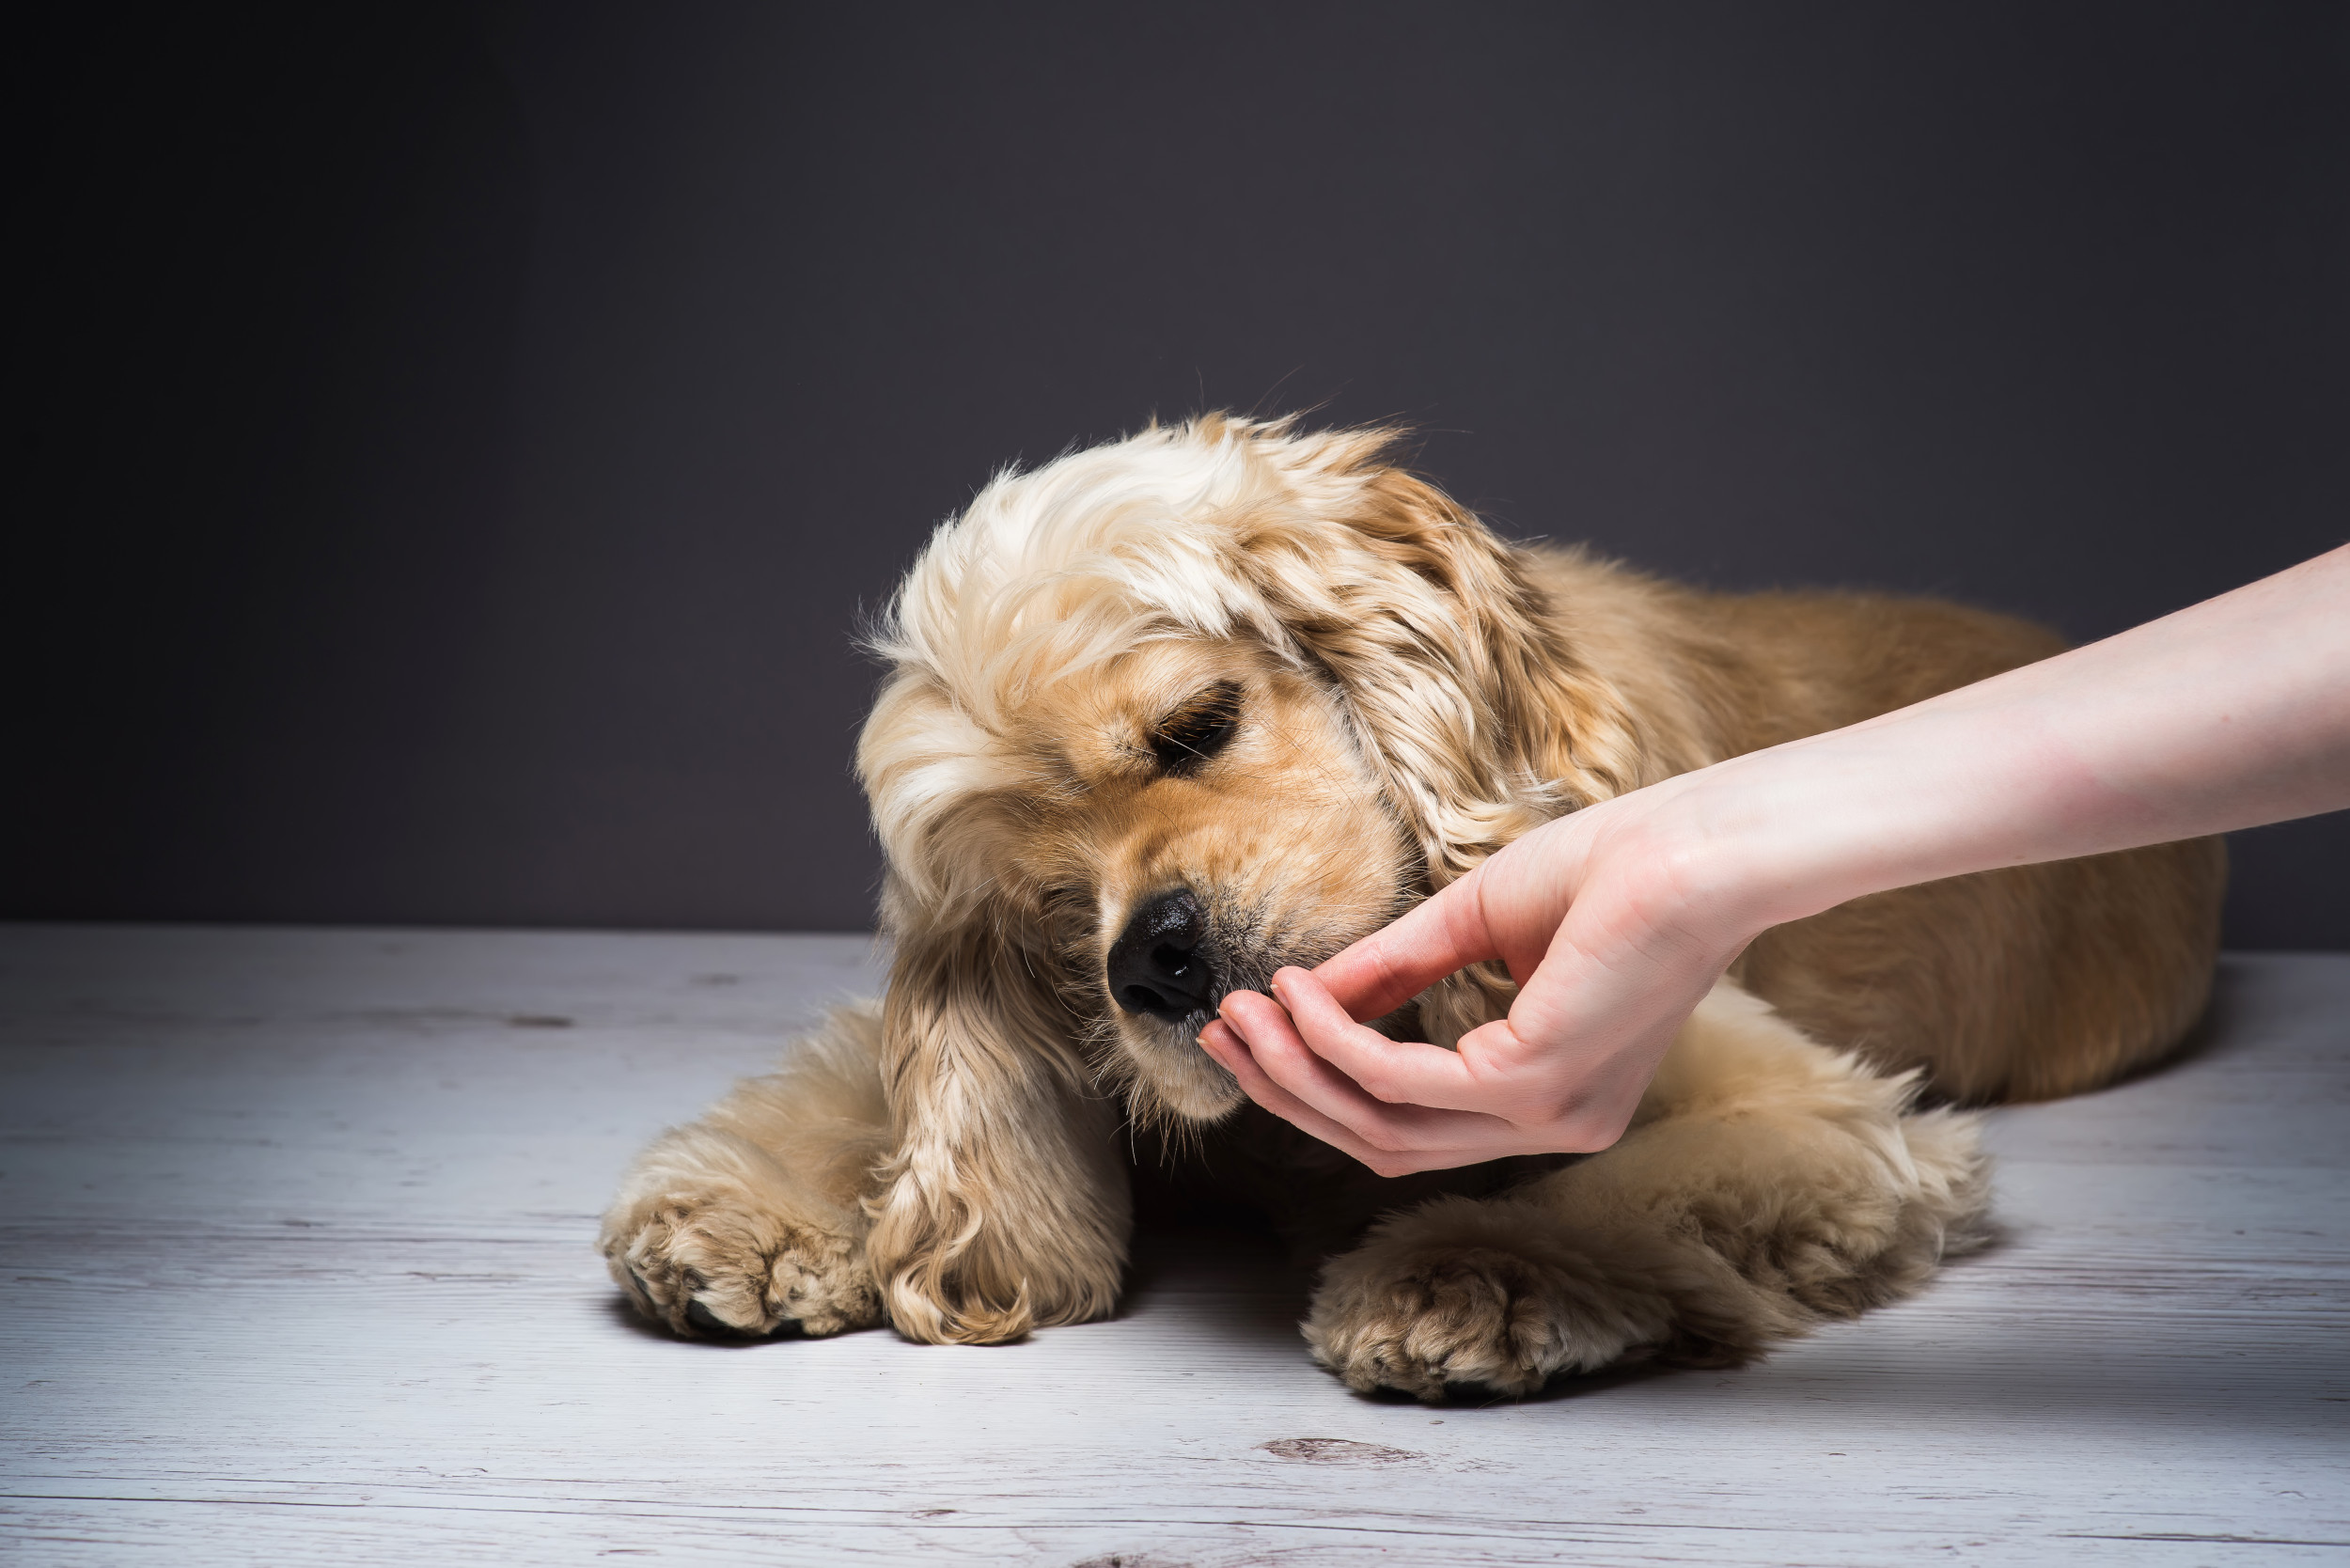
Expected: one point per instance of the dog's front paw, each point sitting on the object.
(1449, 1298)
(709, 1264)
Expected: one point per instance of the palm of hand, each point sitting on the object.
(1587, 926)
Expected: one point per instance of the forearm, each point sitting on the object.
(2233, 713)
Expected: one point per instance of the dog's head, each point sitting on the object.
(1167, 714)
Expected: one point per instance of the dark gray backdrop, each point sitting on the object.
(461, 440)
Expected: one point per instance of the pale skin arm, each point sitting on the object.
(1616, 920)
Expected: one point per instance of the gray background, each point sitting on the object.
(461, 442)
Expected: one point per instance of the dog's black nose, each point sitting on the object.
(1156, 965)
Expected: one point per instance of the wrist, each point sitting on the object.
(1727, 853)
(1782, 834)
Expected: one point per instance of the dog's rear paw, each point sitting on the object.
(711, 1266)
(1419, 1311)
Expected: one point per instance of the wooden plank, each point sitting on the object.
(295, 1249)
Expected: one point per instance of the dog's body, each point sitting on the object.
(1169, 713)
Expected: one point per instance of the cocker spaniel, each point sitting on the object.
(1166, 714)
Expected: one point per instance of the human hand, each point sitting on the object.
(1614, 922)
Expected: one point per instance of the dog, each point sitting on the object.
(1164, 716)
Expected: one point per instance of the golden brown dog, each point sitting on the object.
(1166, 714)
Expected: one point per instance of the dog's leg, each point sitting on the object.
(1006, 1205)
(751, 1219)
(1767, 1183)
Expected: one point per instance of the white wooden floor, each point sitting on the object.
(294, 1242)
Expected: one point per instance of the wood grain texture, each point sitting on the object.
(295, 1243)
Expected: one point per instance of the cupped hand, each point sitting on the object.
(1602, 918)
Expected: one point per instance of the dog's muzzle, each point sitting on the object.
(1159, 965)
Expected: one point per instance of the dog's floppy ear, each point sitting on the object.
(1003, 1209)
(1478, 714)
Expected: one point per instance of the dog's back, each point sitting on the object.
(2028, 983)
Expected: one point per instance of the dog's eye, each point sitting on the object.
(1197, 730)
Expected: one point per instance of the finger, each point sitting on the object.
(1390, 966)
(1233, 1052)
(1273, 1043)
(1391, 1071)
(1222, 1041)
(1273, 1046)
(1552, 1096)
(1477, 1137)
